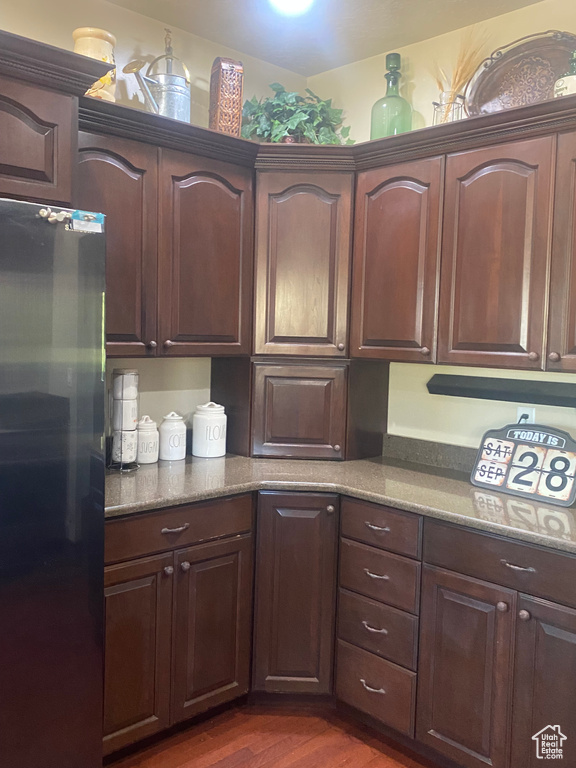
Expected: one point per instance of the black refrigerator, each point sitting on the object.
(52, 380)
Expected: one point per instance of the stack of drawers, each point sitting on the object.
(378, 606)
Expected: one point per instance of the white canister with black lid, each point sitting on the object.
(209, 431)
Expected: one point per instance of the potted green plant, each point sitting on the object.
(287, 116)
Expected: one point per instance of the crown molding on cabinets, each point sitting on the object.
(48, 66)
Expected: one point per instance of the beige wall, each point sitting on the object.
(357, 86)
(413, 412)
(138, 36)
(176, 384)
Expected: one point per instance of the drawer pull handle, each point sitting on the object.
(166, 531)
(518, 567)
(377, 527)
(373, 629)
(372, 690)
(375, 575)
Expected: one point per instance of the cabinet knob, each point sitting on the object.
(336, 447)
(554, 357)
(524, 615)
(425, 351)
(169, 570)
(533, 356)
(185, 566)
(341, 347)
(152, 344)
(502, 607)
(168, 343)
(330, 509)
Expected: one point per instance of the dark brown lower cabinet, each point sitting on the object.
(212, 625)
(544, 683)
(295, 592)
(465, 668)
(138, 605)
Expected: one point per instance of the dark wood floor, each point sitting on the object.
(257, 736)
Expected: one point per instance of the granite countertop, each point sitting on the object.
(431, 492)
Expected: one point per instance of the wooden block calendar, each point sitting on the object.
(528, 460)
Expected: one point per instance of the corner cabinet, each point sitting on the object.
(179, 248)
(295, 596)
(396, 262)
(303, 237)
(496, 255)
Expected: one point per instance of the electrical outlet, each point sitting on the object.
(524, 410)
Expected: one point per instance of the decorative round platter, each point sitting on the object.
(520, 73)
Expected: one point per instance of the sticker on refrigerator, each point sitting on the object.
(85, 221)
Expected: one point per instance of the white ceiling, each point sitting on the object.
(332, 33)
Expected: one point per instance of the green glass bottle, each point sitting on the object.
(391, 114)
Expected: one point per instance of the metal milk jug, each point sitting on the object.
(165, 93)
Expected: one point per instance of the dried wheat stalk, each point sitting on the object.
(472, 52)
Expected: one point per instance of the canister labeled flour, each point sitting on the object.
(209, 431)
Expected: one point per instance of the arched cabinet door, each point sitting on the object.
(562, 319)
(205, 256)
(396, 262)
(303, 232)
(119, 178)
(38, 130)
(495, 255)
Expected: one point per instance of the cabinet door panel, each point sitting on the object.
(206, 259)
(544, 688)
(212, 616)
(138, 599)
(495, 255)
(465, 668)
(396, 261)
(302, 263)
(119, 178)
(38, 129)
(299, 411)
(296, 593)
(562, 320)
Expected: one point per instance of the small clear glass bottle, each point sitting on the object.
(392, 114)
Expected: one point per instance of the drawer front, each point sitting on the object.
(390, 578)
(382, 527)
(520, 566)
(177, 527)
(377, 687)
(378, 628)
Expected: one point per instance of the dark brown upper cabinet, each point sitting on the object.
(295, 597)
(562, 313)
(38, 129)
(179, 248)
(495, 255)
(396, 261)
(303, 235)
(120, 178)
(205, 256)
